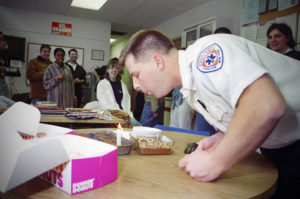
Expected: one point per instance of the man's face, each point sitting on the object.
(277, 41)
(73, 56)
(45, 53)
(147, 77)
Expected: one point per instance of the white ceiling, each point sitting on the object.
(125, 16)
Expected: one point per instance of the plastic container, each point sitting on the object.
(110, 138)
(146, 132)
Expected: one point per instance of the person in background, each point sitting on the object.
(99, 73)
(112, 93)
(35, 74)
(247, 92)
(153, 111)
(3, 64)
(78, 74)
(280, 39)
(181, 115)
(139, 105)
(58, 81)
(5, 102)
(222, 30)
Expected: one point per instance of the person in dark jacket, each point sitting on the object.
(35, 74)
(78, 75)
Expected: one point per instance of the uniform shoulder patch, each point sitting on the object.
(210, 59)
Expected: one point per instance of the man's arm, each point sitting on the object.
(259, 108)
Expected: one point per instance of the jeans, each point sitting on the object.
(203, 125)
(181, 116)
(147, 118)
(287, 161)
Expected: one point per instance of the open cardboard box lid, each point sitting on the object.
(22, 160)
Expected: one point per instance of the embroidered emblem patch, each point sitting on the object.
(210, 59)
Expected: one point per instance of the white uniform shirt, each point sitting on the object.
(107, 100)
(216, 69)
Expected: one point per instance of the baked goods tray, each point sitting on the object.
(108, 137)
(152, 146)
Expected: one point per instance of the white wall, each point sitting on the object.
(36, 28)
(227, 12)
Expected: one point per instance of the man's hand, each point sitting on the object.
(250, 126)
(155, 114)
(200, 164)
(209, 143)
(76, 81)
(61, 76)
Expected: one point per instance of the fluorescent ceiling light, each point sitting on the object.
(88, 4)
(112, 40)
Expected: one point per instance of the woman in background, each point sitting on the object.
(112, 93)
(58, 81)
(280, 39)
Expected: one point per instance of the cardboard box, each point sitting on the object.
(72, 163)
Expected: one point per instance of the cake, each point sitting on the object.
(110, 138)
(153, 146)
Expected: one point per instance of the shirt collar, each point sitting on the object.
(57, 66)
(288, 50)
(185, 66)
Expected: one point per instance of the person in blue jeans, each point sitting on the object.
(153, 111)
(181, 115)
(203, 125)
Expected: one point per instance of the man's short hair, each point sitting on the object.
(45, 46)
(222, 30)
(72, 50)
(144, 41)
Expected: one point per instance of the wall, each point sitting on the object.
(228, 14)
(36, 28)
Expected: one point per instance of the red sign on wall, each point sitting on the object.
(61, 28)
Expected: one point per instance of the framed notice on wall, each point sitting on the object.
(58, 28)
(97, 55)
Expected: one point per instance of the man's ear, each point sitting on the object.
(159, 61)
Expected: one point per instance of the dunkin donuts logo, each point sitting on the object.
(54, 175)
(83, 186)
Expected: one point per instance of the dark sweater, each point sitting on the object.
(294, 54)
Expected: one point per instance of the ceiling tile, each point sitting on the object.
(53, 6)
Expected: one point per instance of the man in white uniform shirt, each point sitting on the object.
(249, 93)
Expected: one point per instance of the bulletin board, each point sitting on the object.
(290, 16)
(33, 50)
